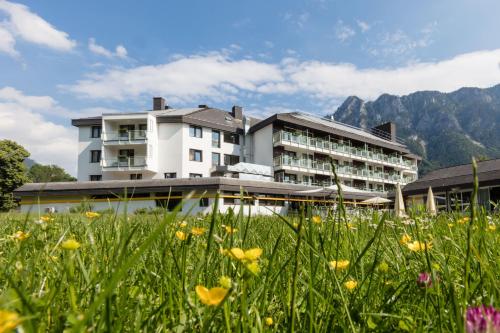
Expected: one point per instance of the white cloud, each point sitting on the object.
(344, 32)
(120, 51)
(217, 77)
(7, 42)
(363, 26)
(21, 120)
(32, 28)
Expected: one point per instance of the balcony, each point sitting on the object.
(322, 167)
(124, 137)
(333, 147)
(125, 163)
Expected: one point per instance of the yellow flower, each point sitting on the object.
(70, 244)
(383, 267)
(254, 267)
(350, 285)
(180, 235)
(417, 246)
(464, 220)
(198, 231)
(316, 219)
(405, 239)
(183, 224)
(230, 230)
(211, 297)
(451, 225)
(8, 320)
(492, 227)
(248, 255)
(269, 321)
(46, 218)
(92, 215)
(225, 281)
(351, 226)
(20, 235)
(339, 265)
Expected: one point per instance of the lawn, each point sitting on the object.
(165, 272)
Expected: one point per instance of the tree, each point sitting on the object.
(12, 172)
(48, 173)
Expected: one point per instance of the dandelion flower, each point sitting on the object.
(405, 239)
(20, 235)
(213, 296)
(316, 219)
(230, 230)
(197, 231)
(492, 227)
(183, 224)
(225, 281)
(417, 246)
(8, 320)
(339, 265)
(269, 321)
(92, 215)
(351, 284)
(180, 235)
(70, 244)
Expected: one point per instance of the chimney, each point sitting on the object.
(386, 131)
(237, 112)
(158, 103)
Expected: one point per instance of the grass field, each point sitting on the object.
(339, 272)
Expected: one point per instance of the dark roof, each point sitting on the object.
(166, 185)
(331, 127)
(459, 176)
(89, 121)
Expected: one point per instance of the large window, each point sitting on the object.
(95, 178)
(195, 131)
(169, 175)
(195, 175)
(195, 155)
(231, 159)
(204, 202)
(232, 138)
(95, 132)
(95, 156)
(215, 159)
(215, 139)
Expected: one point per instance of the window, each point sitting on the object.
(168, 200)
(215, 139)
(195, 175)
(204, 202)
(95, 132)
(215, 159)
(231, 159)
(136, 176)
(95, 178)
(231, 138)
(169, 175)
(195, 131)
(195, 155)
(95, 156)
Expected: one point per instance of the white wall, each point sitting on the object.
(169, 149)
(263, 146)
(85, 145)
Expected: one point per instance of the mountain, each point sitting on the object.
(444, 128)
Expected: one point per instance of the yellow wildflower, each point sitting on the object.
(351, 226)
(46, 218)
(20, 235)
(351, 284)
(8, 320)
(405, 239)
(451, 225)
(212, 297)
(492, 227)
(464, 220)
(180, 235)
(248, 255)
(269, 321)
(225, 281)
(230, 230)
(183, 224)
(254, 267)
(339, 265)
(316, 219)
(92, 215)
(417, 246)
(197, 231)
(70, 244)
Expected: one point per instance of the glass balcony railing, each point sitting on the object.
(136, 135)
(341, 147)
(125, 162)
(350, 171)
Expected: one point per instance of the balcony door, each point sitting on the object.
(126, 157)
(126, 131)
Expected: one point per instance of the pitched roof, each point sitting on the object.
(459, 176)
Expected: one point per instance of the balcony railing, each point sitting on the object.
(125, 162)
(128, 136)
(317, 165)
(333, 147)
(328, 183)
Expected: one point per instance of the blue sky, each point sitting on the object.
(64, 59)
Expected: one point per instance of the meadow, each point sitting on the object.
(164, 272)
